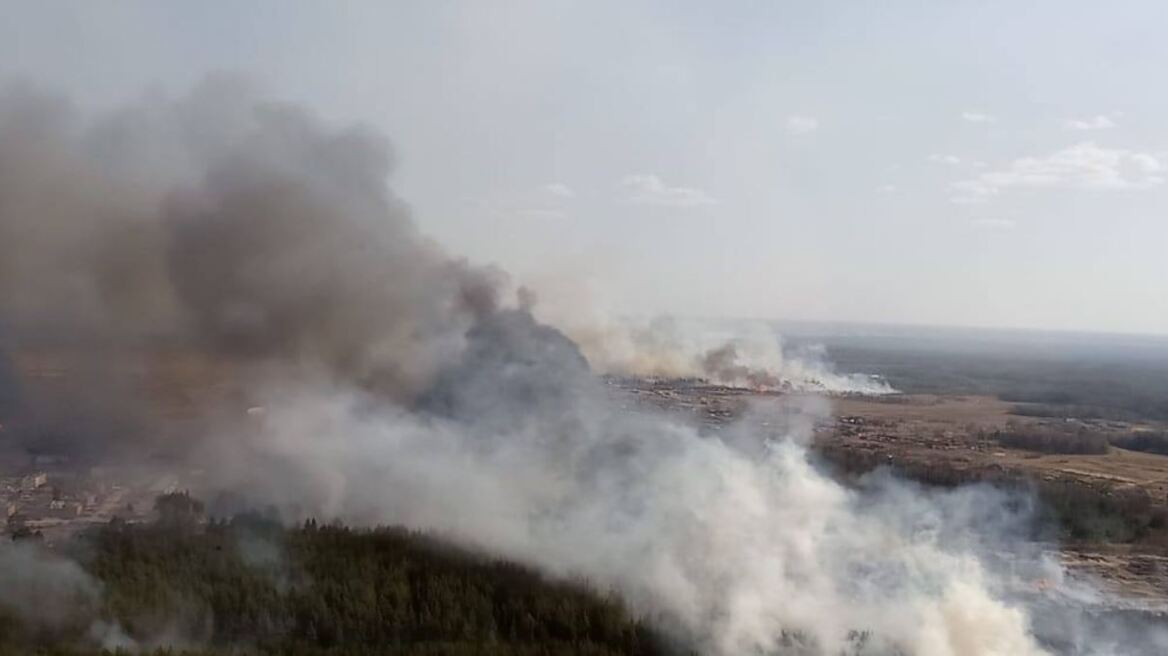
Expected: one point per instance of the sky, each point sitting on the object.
(981, 163)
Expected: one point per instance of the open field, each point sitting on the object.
(955, 430)
(955, 435)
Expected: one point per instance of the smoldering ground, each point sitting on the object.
(397, 387)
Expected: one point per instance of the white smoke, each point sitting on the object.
(736, 547)
(748, 354)
(53, 595)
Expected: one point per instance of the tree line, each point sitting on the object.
(250, 586)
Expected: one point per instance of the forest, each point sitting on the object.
(1146, 441)
(1079, 440)
(248, 585)
(1046, 375)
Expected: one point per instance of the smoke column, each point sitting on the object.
(397, 387)
(220, 225)
(747, 354)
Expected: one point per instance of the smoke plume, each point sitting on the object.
(50, 594)
(214, 225)
(740, 354)
(392, 385)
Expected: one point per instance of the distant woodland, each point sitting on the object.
(1064, 382)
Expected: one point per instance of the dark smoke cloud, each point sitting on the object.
(221, 224)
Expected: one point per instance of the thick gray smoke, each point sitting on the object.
(229, 222)
(215, 224)
(392, 386)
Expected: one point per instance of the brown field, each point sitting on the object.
(952, 430)
(947, 432)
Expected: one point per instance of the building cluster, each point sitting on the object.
(57, 502)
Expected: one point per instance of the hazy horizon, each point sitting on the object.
(974, 165)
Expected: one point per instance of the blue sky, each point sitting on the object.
(966, 163)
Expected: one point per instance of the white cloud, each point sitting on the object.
(994, 224)
(558, 189)
(1100, 122)
(1082, 166)
(978, 117)
(648, 189)
(796, 124)
(945, 159)
(886, 189)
